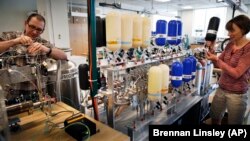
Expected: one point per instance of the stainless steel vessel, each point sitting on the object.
(63, 82)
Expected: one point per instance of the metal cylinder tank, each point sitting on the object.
(67, 84)
(4, 132)
(198, 78)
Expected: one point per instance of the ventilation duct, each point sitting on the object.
(122, 6)
(239, 5)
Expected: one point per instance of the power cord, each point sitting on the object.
(83, 133)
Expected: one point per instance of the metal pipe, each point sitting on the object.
(58, 81)
(23, 107)
(234, 8)
(198, 78)
(92, 54)
(19, 108)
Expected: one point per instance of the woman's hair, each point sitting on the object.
(242, 21)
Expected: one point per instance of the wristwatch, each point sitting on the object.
(50, 50)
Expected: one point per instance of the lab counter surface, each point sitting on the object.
(33, 127)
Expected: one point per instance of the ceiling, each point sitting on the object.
(172, 5)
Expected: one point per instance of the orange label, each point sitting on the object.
(136, 39)
(112, 42)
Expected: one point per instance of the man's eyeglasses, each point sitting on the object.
(35, 28)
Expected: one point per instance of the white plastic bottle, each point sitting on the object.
(146, 32)
(154, 83)
(165, 78)
(113, 31)
(137, 31)
(126, 31)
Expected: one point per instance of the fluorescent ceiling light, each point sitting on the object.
(187, 7)
(162, 0)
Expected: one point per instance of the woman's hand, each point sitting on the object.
(210, 45)
(211, 56)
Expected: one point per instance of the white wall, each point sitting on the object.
(230, 13)
(187, 23)
(43, 8)
(237, 12)
(56, 15)
(60, 23)
(248, 6)
(13, 14)
(187, 20)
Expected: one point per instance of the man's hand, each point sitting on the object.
(24, 40)
(36, 48)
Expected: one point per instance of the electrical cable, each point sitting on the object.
(79, 123)
(54, 114)
(50, 125)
